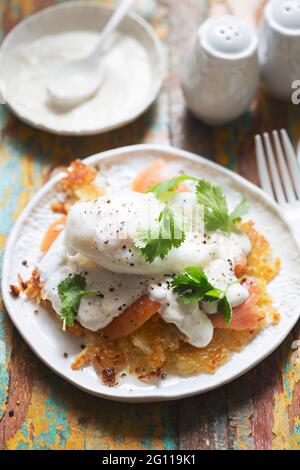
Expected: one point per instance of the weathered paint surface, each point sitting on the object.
(58, 418)
(286, 422)
(259, 410)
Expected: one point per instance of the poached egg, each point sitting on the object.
(104, 231)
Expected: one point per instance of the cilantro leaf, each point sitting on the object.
(166, 188)
(153, 246)
(171, 226)
(193, 286)
(70, 291)
(211, 196)
(168, 234)
(225, 309)
(213, 295)
(216, 214)
(241, 209)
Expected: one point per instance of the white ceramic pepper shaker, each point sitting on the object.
(279, 47)
(220, 77)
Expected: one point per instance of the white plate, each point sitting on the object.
(80, 16)
(42, 335)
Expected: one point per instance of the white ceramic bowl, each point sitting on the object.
(81, 16)
(49, 343)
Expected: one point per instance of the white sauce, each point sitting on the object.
(237, 295)
(232, 246)
(220, 274)
(188, 318)
(118, 291)
(125, 66)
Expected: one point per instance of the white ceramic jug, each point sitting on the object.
(279, 47)
(220, 77)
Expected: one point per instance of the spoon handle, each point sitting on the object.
(112, 24)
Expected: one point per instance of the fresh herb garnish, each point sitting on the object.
(216, 214)
(225, 309)
(167, 188)
(193, 286)
(70, 291)
(158, 241)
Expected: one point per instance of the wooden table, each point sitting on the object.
(39, 410)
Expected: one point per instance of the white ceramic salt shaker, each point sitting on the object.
(220, 77)
(279, 47)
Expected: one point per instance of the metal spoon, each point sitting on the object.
(78, 80)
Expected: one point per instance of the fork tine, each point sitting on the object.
(298, 154)
(264, 176)
(292, 160)
(286, 179)
(274, 171)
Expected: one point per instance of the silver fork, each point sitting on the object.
(278, 168)
(279, 173)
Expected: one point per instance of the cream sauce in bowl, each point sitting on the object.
(132, 68)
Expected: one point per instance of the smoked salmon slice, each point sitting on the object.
(52, 233)
(155, 173)
(132, 318)
(246, 316)
(240, 266)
